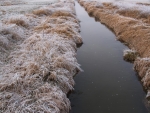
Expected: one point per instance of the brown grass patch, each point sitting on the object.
(40, 70)
(18, 21)
(42, 11)
(62, 13)
(130, 13)
(66, 30)
(142, 67)
(43, 26)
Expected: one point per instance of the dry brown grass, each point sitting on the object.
(42, 27)
(128, 13)
(40, 70)
(91, 10)
(62, 13)
(61, 26)
(18, 21)
(42, 11)
(142, 67)
(66, 31)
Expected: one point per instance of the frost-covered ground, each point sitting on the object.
(130, 21)
(38, 43)
(13, 7)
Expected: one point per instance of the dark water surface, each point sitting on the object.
(108, 83)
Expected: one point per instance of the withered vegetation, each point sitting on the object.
(38, 59)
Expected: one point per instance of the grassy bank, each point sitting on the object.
(38, 47)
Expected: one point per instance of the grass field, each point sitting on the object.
(38, 44)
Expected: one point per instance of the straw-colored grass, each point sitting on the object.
(142, 66)
(135, 14)
(132, 28)
(42, 11)
(62, 13)
(18, 21)
(39, 70)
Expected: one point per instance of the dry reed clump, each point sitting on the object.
(129, 13)
(62, 13)
(65, 26)
(135, 14)
(62, 21)
(42, 11)
(19, 20)
(66, 32)
(91, 10)
(42, 27)
(109, 6)
(130, 55)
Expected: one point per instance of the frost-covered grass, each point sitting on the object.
(38, 58)
(141, 8)
(13, 7)
(136, 10)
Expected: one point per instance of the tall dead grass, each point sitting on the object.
(62, 13)
(18, 22)
(42, 11)
(133, 12)
(40, 70)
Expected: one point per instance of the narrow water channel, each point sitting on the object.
(108, 83)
